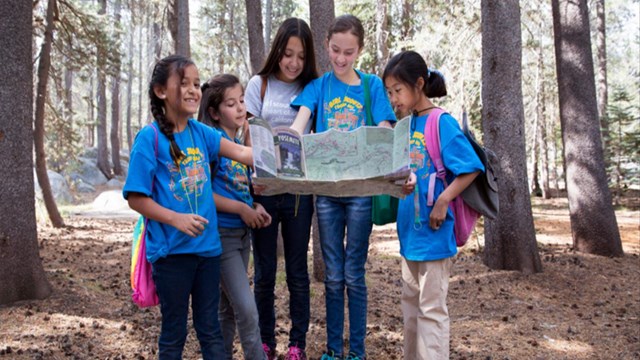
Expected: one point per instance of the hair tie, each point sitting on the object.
(434, 71)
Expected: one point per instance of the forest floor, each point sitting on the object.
(580, 307)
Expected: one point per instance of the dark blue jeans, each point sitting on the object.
(177, 278)
(294, 214)
(344, 267)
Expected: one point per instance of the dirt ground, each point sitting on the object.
(580, 307)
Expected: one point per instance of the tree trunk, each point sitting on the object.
(141, 72)
(407, 29)
(603, 94)
(89, 139)
(321, 13)
(44, 65)
(510, 242)
(535, 157)
(115, 107)
(157, 34)
(382, 34)
(222, 23)
(68, 94)
(22, 276)
(255, 30)
(593, 221)
(181, 17)
(542, 129)
(131, 54)
(101, 127)
(268, 13)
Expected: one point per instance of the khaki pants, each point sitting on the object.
(426, 318)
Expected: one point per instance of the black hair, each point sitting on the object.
(347, 23)
(289, 28)
(163, 69)
(213, 95)
(409, 66)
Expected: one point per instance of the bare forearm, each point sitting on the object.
(150, 209)
(301, 120)
(229, 206)
(233, 151)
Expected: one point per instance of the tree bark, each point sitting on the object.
(90, 135)
(101, 127)
(321, 13)
(22, 276)
(382, 34)
(407, 29)
(603, 92)
(510, 241)
(255, 32)
(593, 221)
(130, 76)
(115, 107)
(268, 13)
(182, 37)
(44, 65)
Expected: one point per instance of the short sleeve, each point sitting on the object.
(381, 106)
(457, 153)
(252, 96)
(309, 97)
(212, 139)
(142, 165)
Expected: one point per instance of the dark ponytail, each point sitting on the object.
(409, 66)
(161, 73)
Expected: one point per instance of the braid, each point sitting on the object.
(160, 75)
(166, 127)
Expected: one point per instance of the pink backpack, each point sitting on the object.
(143, 288)
(464, 216)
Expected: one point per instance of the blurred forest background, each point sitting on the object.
(102, 53)
(553, 87)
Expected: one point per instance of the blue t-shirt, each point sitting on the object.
(184, 189)
(418, 241)
(340, 106)
(232, 181)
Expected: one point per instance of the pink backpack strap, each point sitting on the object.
(432, 142)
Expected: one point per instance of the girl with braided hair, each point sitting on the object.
(169, 182)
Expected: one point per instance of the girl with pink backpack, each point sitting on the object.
(426, 221)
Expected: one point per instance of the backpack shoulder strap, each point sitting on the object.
(432, 143)
(367, 100)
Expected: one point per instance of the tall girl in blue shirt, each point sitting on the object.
(427, 241)
(337, 101)
(169, 182)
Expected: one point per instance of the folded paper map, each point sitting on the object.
(362, 162)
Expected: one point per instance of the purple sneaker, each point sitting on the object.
(269, 352)
(295, 353)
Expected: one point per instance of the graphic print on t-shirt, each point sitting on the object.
(420, 160)
(343, 113)
(237, 179)
(187, 180)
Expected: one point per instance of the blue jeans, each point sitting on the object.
(344, 267)
(294, 214)
(237, 305)
(177, 278)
